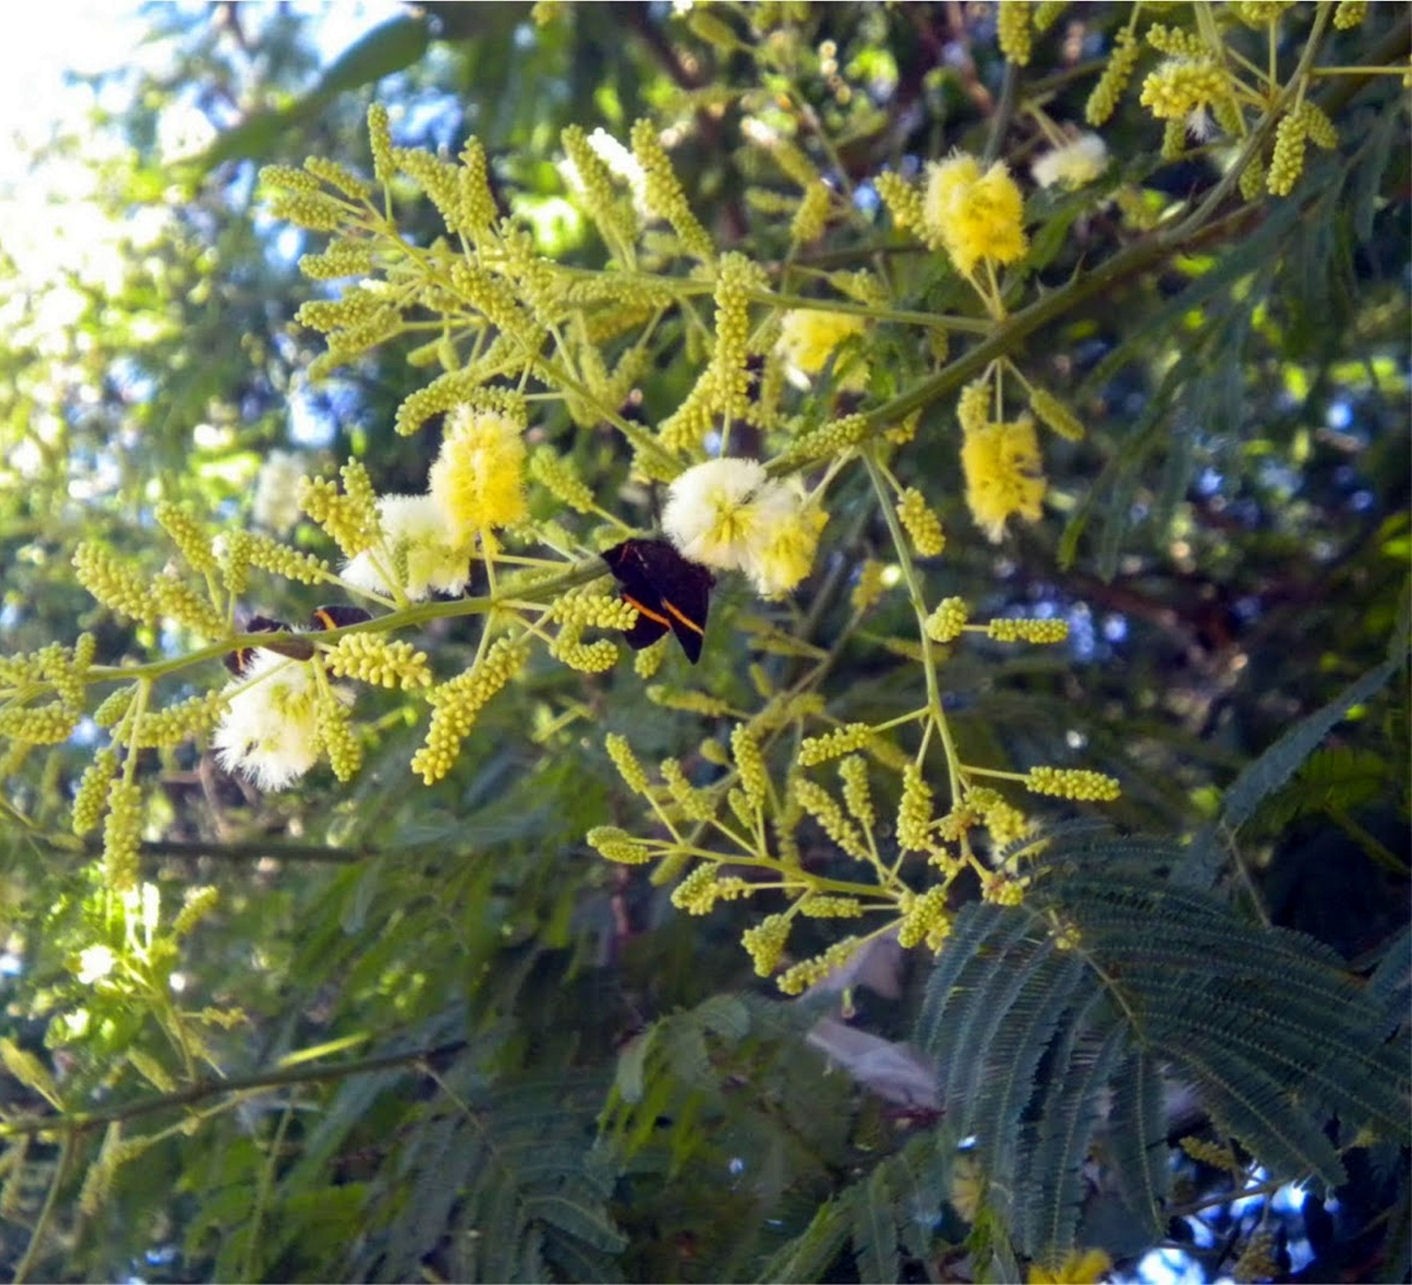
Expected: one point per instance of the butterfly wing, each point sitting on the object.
(629, 569)
(338, 616)
(668, 591)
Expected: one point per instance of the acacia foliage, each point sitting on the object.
(392, 976)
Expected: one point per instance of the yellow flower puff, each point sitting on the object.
(973, 215)
(1004, 476)
(1084, 1267)
(809, 337)
(477, 481)
(1072, 165)
(711, 514)
(414, 536)
(270, 729)
(781, 549)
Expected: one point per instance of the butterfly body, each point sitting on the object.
(669, 591)
(331, 617)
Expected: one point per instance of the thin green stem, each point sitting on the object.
(919, 607)
(75, 1122)
(46, 1213)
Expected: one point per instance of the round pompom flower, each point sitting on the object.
(974, 215)
(415, 536)
(1004, 474)
(270, 730)
(477, 481)
(781, 550)
(810, 336)
(710, 513)
(1072, 165)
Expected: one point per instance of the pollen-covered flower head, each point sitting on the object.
(417, 539)
(810, 336)
(1072, 165)
(1004, 474)
(786, 535)
(270, 730)
(711, 514)
(974, 215)
(477, 481)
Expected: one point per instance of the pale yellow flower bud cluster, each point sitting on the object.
(350, 516)
(736, 278)
(1118, 71)
(244, 549)
(903, 201)
(618, 845)
(824, 907)
(126, 592)
(620, 751)
(336, 736)
(699, 892)
(825, 809)
(164, 728)
(557, 475)
(921, 523)
(690, 702)
(49, 724)
(91, 796)
(663, 193)
(188, 535)
(1055, 415)
(857, 795)
(809, 972)
(831, 439)
(947, 620)
(1022, 629)
(1002, 889)
(842, 740)
(1350, 14)
(1307, 123)
(122, 833)
(381, 662)
(914, 812)
(765, 943)
(1014, 33)
(925, 918)
(1073, 783)
(593, 183)
(750, 766)
(1004, 822)
(457, 703)
(812, 216)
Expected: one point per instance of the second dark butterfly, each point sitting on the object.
(668, 590)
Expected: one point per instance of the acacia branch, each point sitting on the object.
(73, 1123)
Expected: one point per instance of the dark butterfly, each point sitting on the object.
(331, 617)
(669, 592)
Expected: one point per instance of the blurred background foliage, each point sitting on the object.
(432, 989)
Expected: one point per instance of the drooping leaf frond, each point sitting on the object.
(498, 1185)
(1048, 1019)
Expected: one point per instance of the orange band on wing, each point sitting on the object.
(685, 619)
(324, 620)
(648, 612)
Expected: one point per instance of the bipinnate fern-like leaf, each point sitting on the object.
(1049, 1018)
(496, 1184)
(889, 1212)
(1263, 776)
